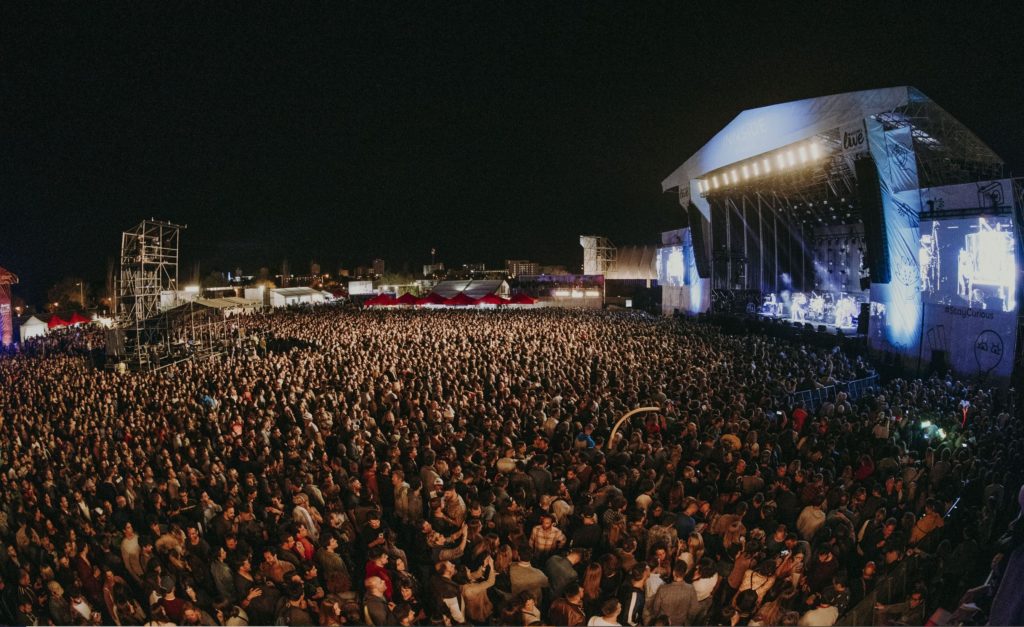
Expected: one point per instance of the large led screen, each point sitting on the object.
(969, 262)
(671, 266)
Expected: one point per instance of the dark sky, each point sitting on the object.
(489, 131)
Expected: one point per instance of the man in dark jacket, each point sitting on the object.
(633, 596)
(568, 610)
(375, 605)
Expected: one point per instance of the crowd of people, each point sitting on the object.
(453, 467)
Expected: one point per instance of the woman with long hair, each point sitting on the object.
(611, 567)
(592, 578)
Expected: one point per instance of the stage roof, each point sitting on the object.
(757, 131)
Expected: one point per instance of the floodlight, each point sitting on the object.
(757, 169)
(815, 151)
(790, 157)
(714, 181)
(803, 154)
(767, 165)
(735, 177)
(746, 173)
(782, 161)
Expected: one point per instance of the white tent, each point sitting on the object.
(287, 296)
(32, 327)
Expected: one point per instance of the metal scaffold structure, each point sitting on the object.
(149, 337)
(149, 266)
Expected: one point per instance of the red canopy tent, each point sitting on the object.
(491, 299)
(77, 318)
(522, 299)
(431, 299)
(407, 299)
(460, 300)
(380, 300)
(56, 321)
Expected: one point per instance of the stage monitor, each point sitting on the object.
(969, 262)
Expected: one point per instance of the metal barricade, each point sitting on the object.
(814, 399)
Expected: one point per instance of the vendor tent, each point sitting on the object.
(432, 298)
(492, 299)
(56, 321)
(77, 318)
(380, 300)
(522, 299)
(407, 299)
(460, 300)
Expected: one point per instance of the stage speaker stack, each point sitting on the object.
(698, 225)
(863, 318)
(869, 197)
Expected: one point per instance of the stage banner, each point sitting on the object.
(893, 152)
(854, 139)
(975, 342)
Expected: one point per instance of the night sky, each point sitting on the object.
(343, 133)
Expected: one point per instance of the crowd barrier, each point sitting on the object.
(813, 399)
(890, 589)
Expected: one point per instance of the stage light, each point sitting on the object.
(757, 169)
(803, 154)
(714, 181)
(735, 177)
(815, 152)
(767, 165)
(781, 160)
(790, 158)
(746, 173)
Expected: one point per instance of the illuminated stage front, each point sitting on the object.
(806, 211)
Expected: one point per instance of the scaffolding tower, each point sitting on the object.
(149, 266)
(599, 254)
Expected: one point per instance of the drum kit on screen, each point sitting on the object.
(839, 309)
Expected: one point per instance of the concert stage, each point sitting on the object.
(875, 204)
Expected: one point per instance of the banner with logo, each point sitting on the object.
(854, 138)
(975, 342)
